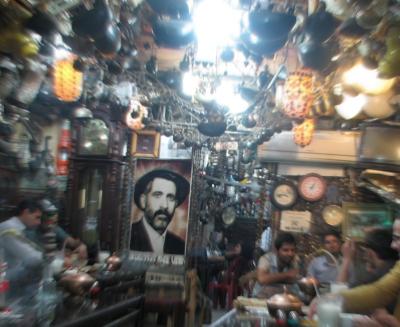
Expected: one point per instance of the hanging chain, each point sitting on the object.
(126, 197)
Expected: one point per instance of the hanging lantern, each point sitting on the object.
(67, 82)
(298, 94)
(304, 132)
(134, 116)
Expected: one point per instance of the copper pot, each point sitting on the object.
(77, 283)
(113, 262)
(308, 285)
(285, 301)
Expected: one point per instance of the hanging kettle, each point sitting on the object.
(173, 33)
(316, 55)
(350, 28)
(320, 25)
(178, 9)
(270, 25)
(215, 124)
(92, 23)
(110, 42)
(263, 47)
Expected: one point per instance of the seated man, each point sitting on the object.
(277, 268)
(63, 240)
(378, 256)
(323, 268)
(366, 298)
(23, 257)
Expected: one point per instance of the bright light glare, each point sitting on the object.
(189, 84)
(351, 106)
(216, 24)
(103, 137)
(225, 95)
(88, 144)
(367, 80)
(61, 53)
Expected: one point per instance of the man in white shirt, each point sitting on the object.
(24, 258)
(158, 193)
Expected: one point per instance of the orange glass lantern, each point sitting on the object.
(67, 81)
(303, 133)
(298, 94)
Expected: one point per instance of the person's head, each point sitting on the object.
(158, 193)
(396, 235)
(377, 246)
(29, 212)
(50, 212)
(331, 242)
(285, 245)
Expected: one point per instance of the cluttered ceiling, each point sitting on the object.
(205, 69)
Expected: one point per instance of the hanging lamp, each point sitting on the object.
(67, 81)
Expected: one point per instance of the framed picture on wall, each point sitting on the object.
(146, 144)
(361, 217)
(160, 207)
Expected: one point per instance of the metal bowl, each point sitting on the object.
(308, 285)
(113, 262)
(285, 302)
(77, 283)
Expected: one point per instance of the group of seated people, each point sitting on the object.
(23, 244)
(369, 268)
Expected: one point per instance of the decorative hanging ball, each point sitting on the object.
(67, 81)
(135, 115)
(298, 94)
(303, 133)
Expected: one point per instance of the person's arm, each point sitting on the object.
(265, 277)
(348, 252)
(75, 244)
(30, 260)
(375, 295)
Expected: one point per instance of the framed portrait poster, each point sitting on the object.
(361, 217)
(146, 144)
(160, 209)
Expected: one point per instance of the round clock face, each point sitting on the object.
(312, 187)
(333, 215)
(284, 195)
(229, 215)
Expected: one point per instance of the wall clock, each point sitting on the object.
(229, 216)
(333, 215)
(284, 195)
(312, 187)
